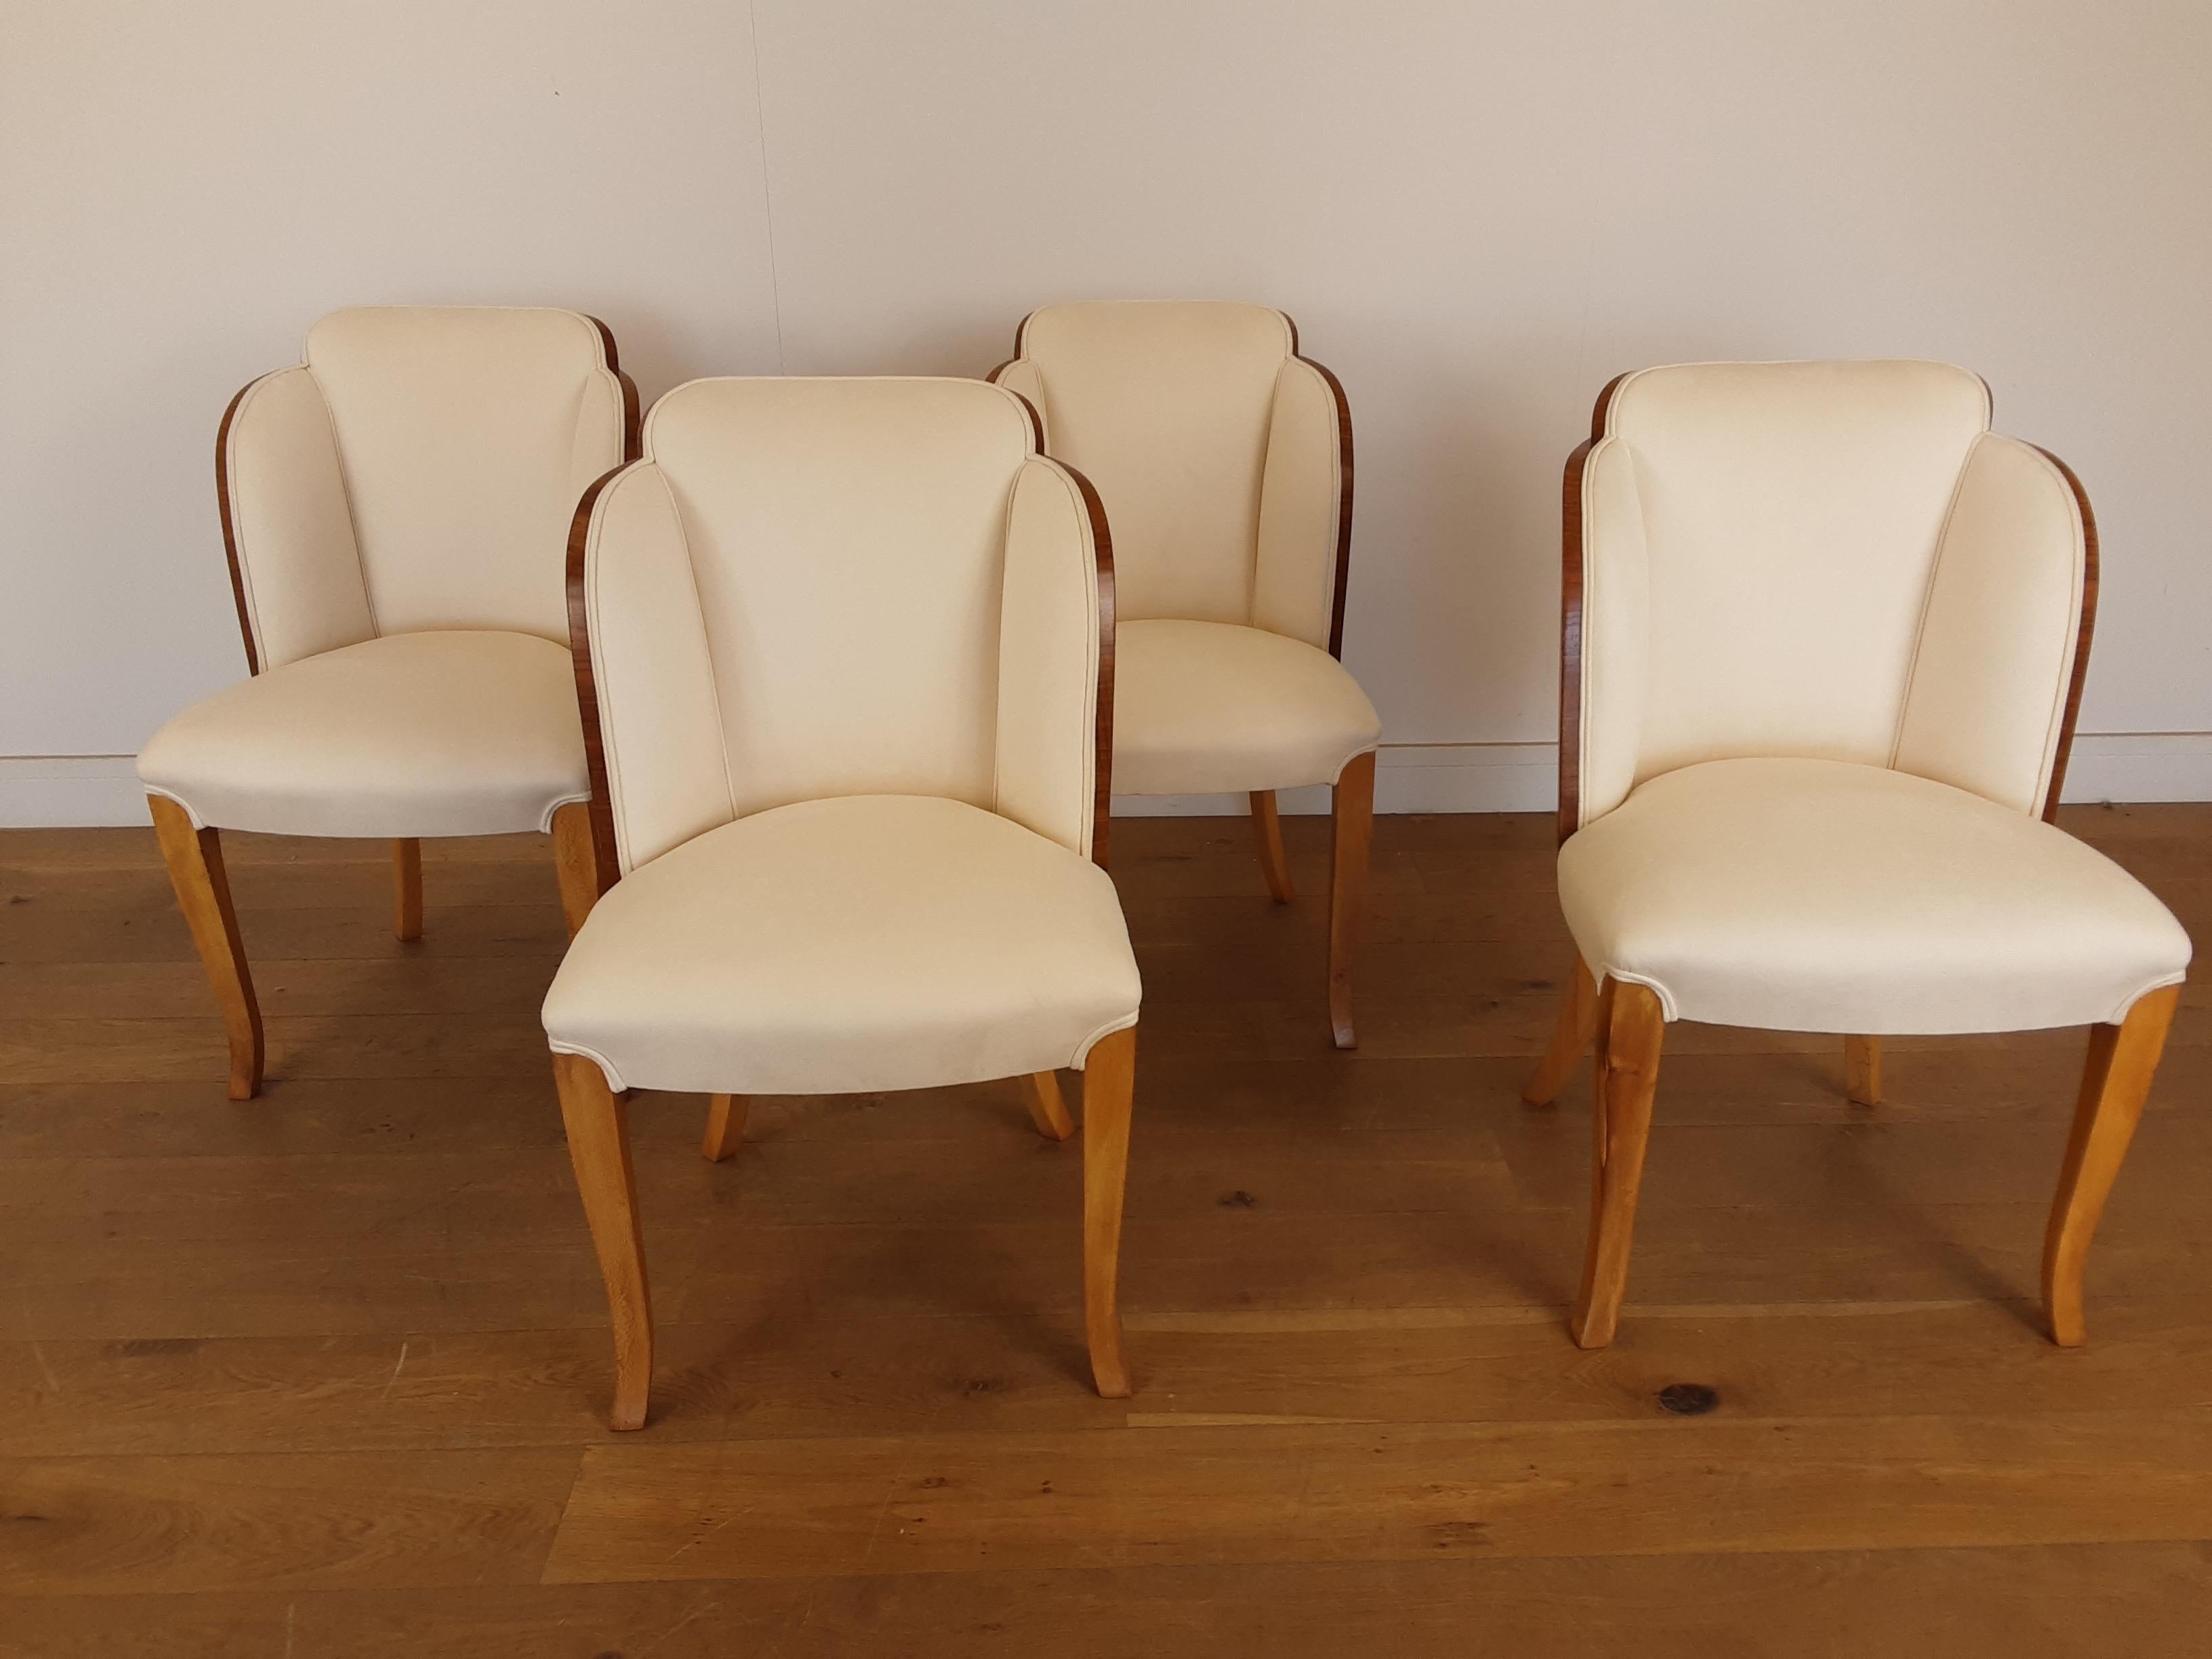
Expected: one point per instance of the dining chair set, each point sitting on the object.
(821, 688)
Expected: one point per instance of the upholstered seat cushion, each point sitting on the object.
(852, 944)
(1821, 896)
(1201, 707)
(461, 732)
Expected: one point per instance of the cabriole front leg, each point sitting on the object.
(195, 861)
(1631, 1029)
(1352, 844)
(598, 1121)
(2115, 1082)
(1109, 1078)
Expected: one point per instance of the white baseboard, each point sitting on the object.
(1523, 777)
(42, 790)
(1409, 777)
(2140, 766)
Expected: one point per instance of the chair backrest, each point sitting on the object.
(799, 591)
(467, 434)
(418, 472)
(1223, 457)
(1830, 560)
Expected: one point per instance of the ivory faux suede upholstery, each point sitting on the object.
(847, 944)
(1829, 623)
(454, 733)
(1215, 449)
(1828, 895)
(844, 638)
(398, 509)
(1822, 638)
(1229, 707)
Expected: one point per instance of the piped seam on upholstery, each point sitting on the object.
(1584, 702)
(353, 519)
(260, 644)
(1666, 1008)
(545, 823)
(602, 689)
(2070, 643)
(1374, 748)
(1928, 596)
(999, 700)
(1083, 1050)
(706, 642)
(198, 822)
(606, 1067)
(1328, 567)
(1087, 715)
(1259, 501)
(2176, 977)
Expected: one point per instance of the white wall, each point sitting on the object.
(1478, 213)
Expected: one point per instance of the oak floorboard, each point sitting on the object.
(131, 1526)
(1327, 1491)
(818, 1373)
(325, 1372)
(2064, 1602)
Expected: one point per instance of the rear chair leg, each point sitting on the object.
(1863, 1070)
(1570, 1037)
(1267, 830)
(575, 861)
(1047, 1111)
(407, 890)
(725, 1127)
(195, 860)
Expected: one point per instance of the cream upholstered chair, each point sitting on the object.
(1824, 640)
(844, 653)
(1224, 461)
(395, 509)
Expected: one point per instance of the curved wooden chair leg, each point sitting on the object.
(1863, 1070)
(576, 862)
(1571, 1037)
(2115, 1082)
(725, 1127)
(407, 889)
(1109, 1076)
(1630, 1031)
(1267, 830)
(598, 1121)
(1047, 1111)
(195, 861)
(1351, 841)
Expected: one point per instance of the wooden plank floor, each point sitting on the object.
(323, 1373)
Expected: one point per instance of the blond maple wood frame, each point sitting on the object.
(605, 862)
(1352, 795)
(1625, 1025)
(591, 865)
(597, 1119)
(194, 857)
(197, 873)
